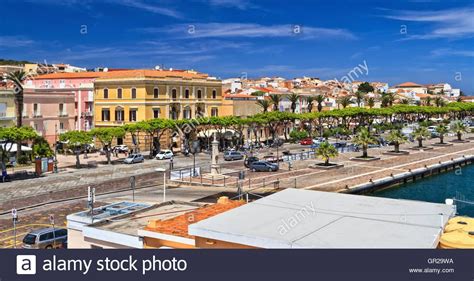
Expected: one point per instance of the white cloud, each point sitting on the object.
(139, 4)
(250, 30)
(148, 6)
(239, 4)
(453, 23)
(452, 52)
(14, 41)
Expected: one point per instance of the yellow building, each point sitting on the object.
(128, 96)
(7, 108)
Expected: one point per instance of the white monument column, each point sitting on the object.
(215, 156)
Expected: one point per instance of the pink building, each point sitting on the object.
(49, 111)
(80, 85)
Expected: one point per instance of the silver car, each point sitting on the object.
(134, 158)
(45, 238)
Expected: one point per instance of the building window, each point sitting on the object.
(134, 93)
(61, 109)
(214, 94)
(119, 93)
(199, 112)
(61, 126)
(156, 113)
(119, 114)
(187, 113)
(186, 93)
(214, 112)
(133, 115)
(199, 94)
(106, 93)
(105, 115)
(174, 93)
(36, 110)
(174, 113)
(155, 93)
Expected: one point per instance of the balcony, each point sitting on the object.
(63, 114)
(119, 122)
(88, 114)
(37, 115)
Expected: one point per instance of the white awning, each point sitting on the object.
(11, 147)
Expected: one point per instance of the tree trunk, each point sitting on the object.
(78, 163)
(397, 147)
(19, 120)
(107, 153)
(420, 142)
(326, 162)
(441, 139)
(459, 135)
(364, 151)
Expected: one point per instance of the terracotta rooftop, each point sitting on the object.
(136, 73)
(178, 226)
(409, 84)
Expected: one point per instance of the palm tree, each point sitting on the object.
(420, 133)
(371, 102)
(320, 100)
(397, 138)
(363, 139)
(275, 100)
(359, 97)
(309, 101)
(264, 104)
(428, 101)
(439, 101)
(326, 151)
(17, 78)
(404, 101)
(293, 98)
(459, 128)
(344, 101)
(389, 98)
(441, 130)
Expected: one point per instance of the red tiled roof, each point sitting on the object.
(408, 84)
(178, 226)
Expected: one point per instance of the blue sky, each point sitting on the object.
(421, 40)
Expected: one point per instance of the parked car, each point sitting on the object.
(45, 238)
(250, 160)
(134, 158)
(233, 155)
(306, 141)
(276, 142)
(164, 154)
(263, 166)
(121, 148)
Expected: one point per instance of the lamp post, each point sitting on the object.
(164, 181)
(55, 163)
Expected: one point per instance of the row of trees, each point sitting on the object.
(270, 122)
(363, 138)
(359, 97)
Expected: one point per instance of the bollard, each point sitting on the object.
(249, 183)
(224, 180)
(295, 182)
(212, 180)
(263, 182)
(201, 178)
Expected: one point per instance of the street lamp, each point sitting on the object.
(164, 181)
(55, 163)
(194, 150)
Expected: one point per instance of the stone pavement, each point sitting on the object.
(66, 184)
